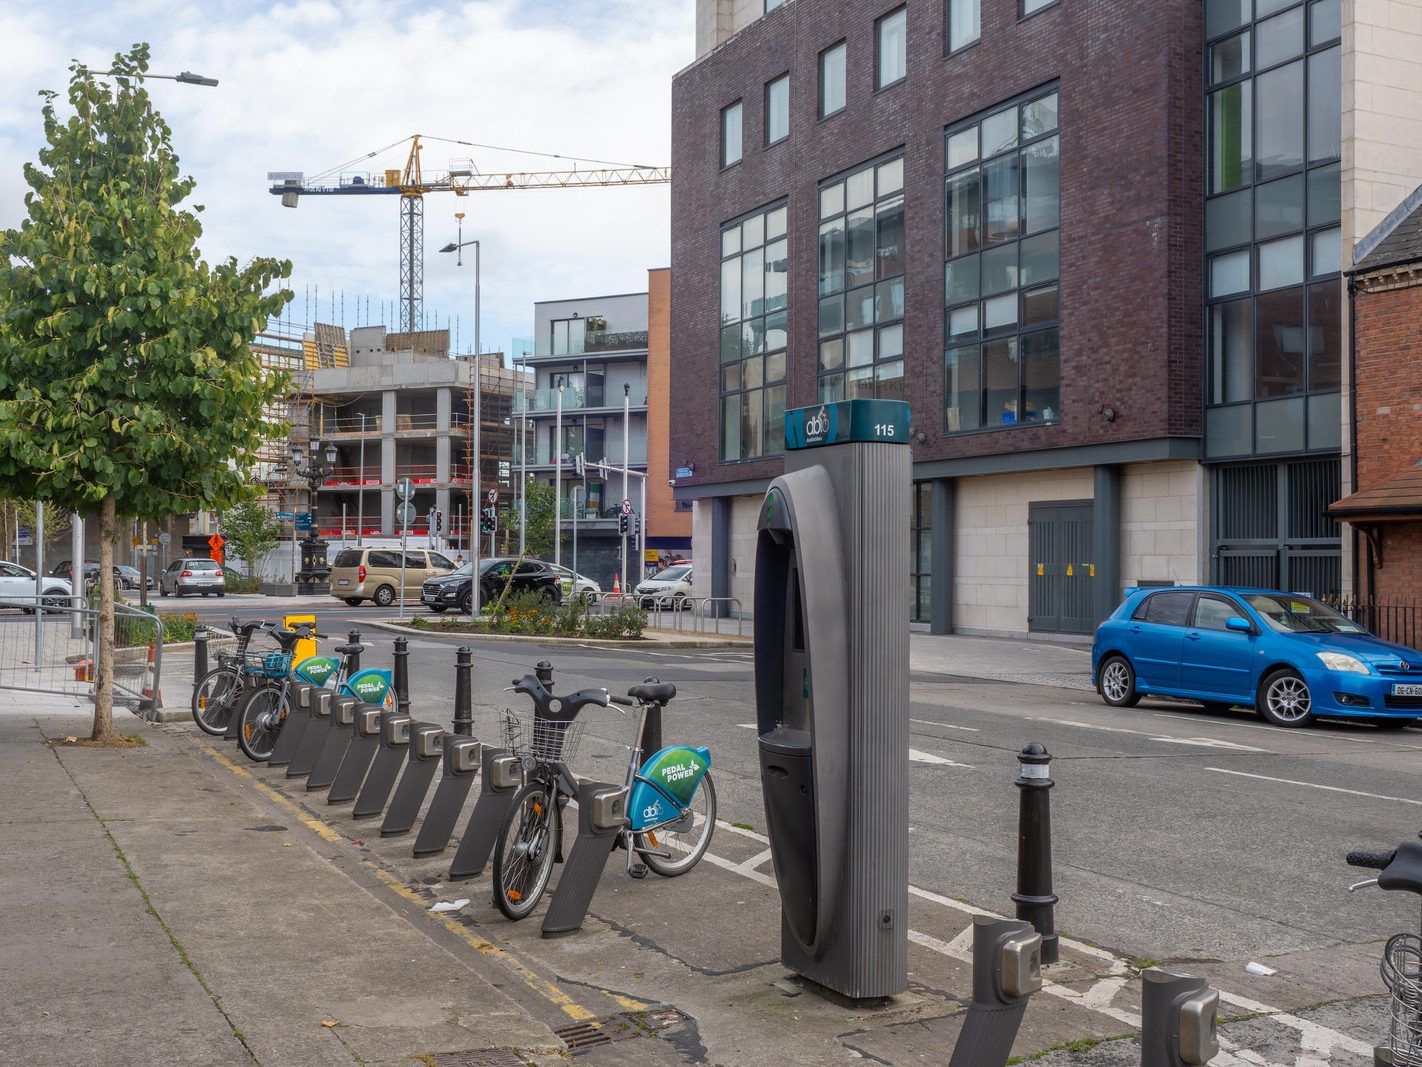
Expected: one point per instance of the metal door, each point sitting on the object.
(1272, 529)
(1060, 567)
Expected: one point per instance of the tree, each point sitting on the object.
(539, 518)
(252, 531)
(127, 380)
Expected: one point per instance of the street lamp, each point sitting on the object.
(476, 379)
(307, 464)
(187, 77)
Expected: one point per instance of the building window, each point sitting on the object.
(1001, 281)
(1031, 7)
(832, 80)
(1272, 238)
(861, 283)
(731, 134)
(771, 5)
(891, 37)
(964, 23)
(755, 269)
(777, 109)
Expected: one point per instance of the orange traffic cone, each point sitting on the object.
(151, 697)
(616, 585)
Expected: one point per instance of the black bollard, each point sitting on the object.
(463, 695)
(354, 660)
(402, 676)
(544, 673)
(199, 654)
(1179, 1019)
(1034, 897)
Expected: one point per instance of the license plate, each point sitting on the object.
(344, 581)
(1407, 690)
(428, 596)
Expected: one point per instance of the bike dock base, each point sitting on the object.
(461, 764)
(501, 774)
(426, 746)
(335, 743)
(394, 742)
(298, 718)
(365, 742)
(309, 747)
(602, 812)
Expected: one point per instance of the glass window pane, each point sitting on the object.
(859, 307)
(999, 314)
(1040, 306)
(1041, 185)
(859, 384)
(889, 380)
(1279, 426)
(1279, 122)
(753, 231)
(1324, 24)
(731, 289)
(1281, 262)
(962, 147)
(1039, 117)
(831, 256)
(1229, 220)
(1230, 58)
(1263, 8)
(1325, 132)
(831, 388)
(1000, 182)
(775, 367)
(777, 274)
(731, 134)
(889, 300)
(753, 373)
(777, 110)
(1229, 273)
(731, 427)
(1231, 136)
(963, 23)
(753, 423)
(831, 200)
(1279, 38)
(1279, 343)
(1032, 6)
(999, 132)
(731, 378)
(730, 241)
(859, 348)
(999, 269)
(962, 396)
(1221, 16)
(859, 188)
(964, 212)
(1231, 352)
(963, 322)
(1000, 382)
(1326, 253)
(730, 343)
(890, 177)
(1278, 207)
(889, 254)
(832, 354)
(859, 247)
(893, 50)
(1325, 336)
(960, 280)
(1041, 376)
(1229, 431)
(775, 223)
(1325, 422)
(831, 315)
(891, 341)
(752, 337)
(832, 80)
(777, 328)
(775, 420)
(752, 283)
(1325, 192)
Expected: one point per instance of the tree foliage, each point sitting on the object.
(127, 381)
(539, 517)
(251, 531)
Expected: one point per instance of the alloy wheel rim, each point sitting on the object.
(1114, 681)
(1289, 699)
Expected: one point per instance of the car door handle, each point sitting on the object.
(1135, 629)
(1192, 636)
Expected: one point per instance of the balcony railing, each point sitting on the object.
(541, 455)
(544, 400)
(335, 425)
(350, 478)
(596, 341)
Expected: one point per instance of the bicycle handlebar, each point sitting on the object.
(621, 700)
(1373, 860)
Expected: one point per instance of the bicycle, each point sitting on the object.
(663, 830)
(1401, 966)
(263, 710)
(217, 694)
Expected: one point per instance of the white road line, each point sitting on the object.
(947, 725)
(1261, 726)
(746, 725)
(754, 862)
(1315, 785)
(1092, 726)
(915, 756)
(1208, 742)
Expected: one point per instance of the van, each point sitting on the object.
(361, 574)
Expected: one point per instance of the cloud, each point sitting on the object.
(309, 84)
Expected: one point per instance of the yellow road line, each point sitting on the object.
(547, 990)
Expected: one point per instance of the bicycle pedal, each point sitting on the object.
(637, 870)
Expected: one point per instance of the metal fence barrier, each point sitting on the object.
(692, 614)
(1393, 620)
(55, 649)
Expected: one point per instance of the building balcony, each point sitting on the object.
(424, 423)
(349, 479)
(542, 455)
(537, 402)
(594, 342)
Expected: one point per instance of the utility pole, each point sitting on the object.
(558, 478)
(626, 460)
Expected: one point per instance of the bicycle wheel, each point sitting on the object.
(688, 839)
(524, 852)
(262, 716)
(215, 700)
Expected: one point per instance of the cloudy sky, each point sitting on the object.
(307, 85)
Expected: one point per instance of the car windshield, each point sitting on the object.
(1300, 615)
(465, 571)
(671, 574)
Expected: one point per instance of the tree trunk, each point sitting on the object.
(104, 690)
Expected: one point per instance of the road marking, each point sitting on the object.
(1092, 726)
(915, 756)
(747, 725)
(1260, 726)
(1207, 742)
(947, 725)
(754, 862)
(1315, 785)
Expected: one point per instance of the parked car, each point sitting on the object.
(64, 569)
(132, 577)
(572, 584)
(457, 590)
(193, 575)
(1288, 656)
(18, 582)
(669, 587)
(361, 574)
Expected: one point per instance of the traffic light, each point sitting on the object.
(636, 525)
(488, 521)
(438, 521)
(624, 524)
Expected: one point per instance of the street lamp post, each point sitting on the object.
(558, 477)
(626, 460)
(476, 479)
(360, 495)
(309, 467)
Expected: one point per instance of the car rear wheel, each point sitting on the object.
(385, 596)
(1284, 699)
(1116, 682)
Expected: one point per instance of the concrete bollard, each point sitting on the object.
(402, 676)
(1034, 898)
(463, 691)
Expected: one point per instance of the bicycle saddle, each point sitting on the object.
(1405, 870)
(558, 708)
(349, 650)
(653, 691)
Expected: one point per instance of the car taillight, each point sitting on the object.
(218, 573)
(360, 573)
(186, 574)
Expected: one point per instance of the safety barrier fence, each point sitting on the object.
(1391, 619)
(690, 614)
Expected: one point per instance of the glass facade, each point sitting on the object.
(755, 271)
(1001, 294)
(861, 283)
(1272, 238)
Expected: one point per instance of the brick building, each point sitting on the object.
(1385, 509)
(1096, 247)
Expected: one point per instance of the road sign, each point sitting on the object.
(303, 521)
(405, 489)
(215, 542)
(684, 472)
(492, 496)
(283, 516)
(24, 538)
(405, 514)
(135, 539)
(626, 506)
(165, 538)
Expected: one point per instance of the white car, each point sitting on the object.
(574, 584)
(17, 586)
(668, 588)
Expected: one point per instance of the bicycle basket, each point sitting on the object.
(541, 739)
(1402, 971)
(268, 664)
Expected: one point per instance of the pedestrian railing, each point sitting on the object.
(1389, 618)
(691, 614)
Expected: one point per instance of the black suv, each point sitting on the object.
(456, 590)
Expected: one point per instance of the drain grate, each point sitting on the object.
(489, 1057)
(579, 1037)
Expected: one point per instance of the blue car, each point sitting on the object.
(1289, 657)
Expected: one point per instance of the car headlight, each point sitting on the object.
(1337, 661)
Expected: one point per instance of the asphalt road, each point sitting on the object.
(1177, 833)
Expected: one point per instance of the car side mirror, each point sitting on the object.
(1234, 622)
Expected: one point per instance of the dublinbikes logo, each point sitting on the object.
(817, 426)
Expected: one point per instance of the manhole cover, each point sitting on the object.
(491, 1057)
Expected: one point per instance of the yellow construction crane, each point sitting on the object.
(411, 185)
